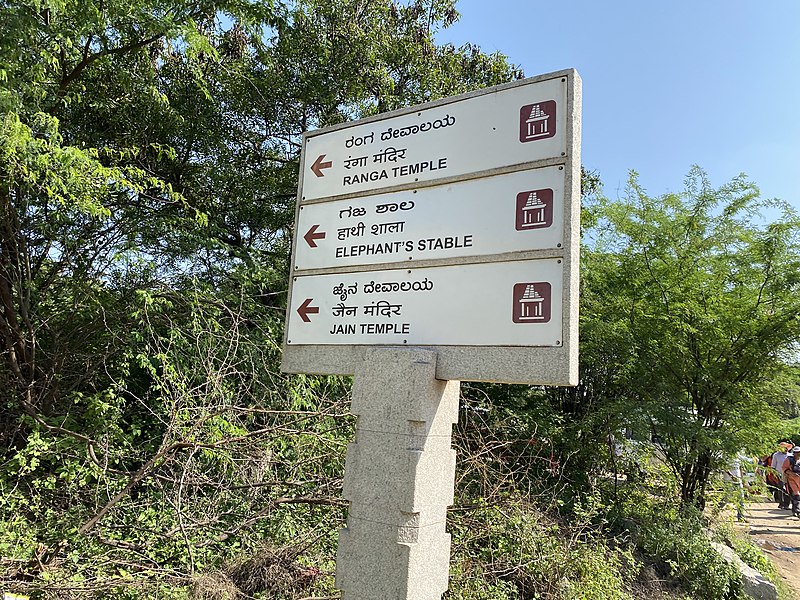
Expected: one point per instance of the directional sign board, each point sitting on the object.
(518, 303)
(517, 211)
(493, 130)
(451, 225)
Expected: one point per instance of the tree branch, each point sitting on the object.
(87, 60)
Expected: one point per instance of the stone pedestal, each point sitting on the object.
(399, 478)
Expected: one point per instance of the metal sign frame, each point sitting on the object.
(536, 365)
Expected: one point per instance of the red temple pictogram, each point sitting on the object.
(537, 121)
(534, 209)
(531, 302)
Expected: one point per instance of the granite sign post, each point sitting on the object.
(434, 244)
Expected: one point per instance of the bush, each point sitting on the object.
(676, 544)
(512, 551)
(748, 552)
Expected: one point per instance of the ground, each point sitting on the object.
(778, 535)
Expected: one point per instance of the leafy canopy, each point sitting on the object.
(698, 300)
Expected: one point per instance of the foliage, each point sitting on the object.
(784, 392)
(150, 446)
(516, 552)
(748, 552)
(148, 167)
(674, 541)
(200, 465)
(595, 539)
(693, 277)
(690, 556)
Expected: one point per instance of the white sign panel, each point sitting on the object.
(506, 213)
(454, 225)
(516, 303)
(515, 126)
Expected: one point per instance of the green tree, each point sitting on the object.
(692, 302)
(148, 169)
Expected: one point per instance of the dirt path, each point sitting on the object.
(778, 535)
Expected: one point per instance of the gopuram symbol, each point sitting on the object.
(534, 209)
(537, 121)
(531, 302)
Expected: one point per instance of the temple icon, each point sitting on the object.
(534, 209)
(531, 302)
(537, 121)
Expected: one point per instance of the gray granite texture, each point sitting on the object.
(399, 478)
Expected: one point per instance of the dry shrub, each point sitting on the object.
(273, 571)
(654, 585)
(214, 586)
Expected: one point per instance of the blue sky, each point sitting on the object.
(665, 84)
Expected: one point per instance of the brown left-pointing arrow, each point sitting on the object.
(319, 165)
(306, 309)
(312, 235)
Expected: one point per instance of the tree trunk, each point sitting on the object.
(694, 478)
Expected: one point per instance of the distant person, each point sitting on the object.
(771, 477)
(778, 460)
(791, 478)
(734, 474)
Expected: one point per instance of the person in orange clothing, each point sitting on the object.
(791, 476)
